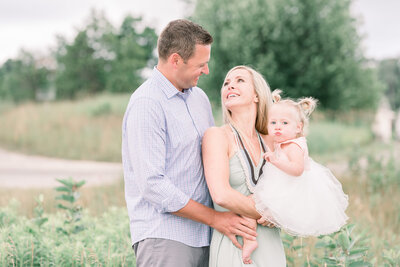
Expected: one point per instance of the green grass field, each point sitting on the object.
(87, 129)
(91, 129)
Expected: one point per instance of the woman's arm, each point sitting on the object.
(215, 149)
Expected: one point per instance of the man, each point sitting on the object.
(168, 201)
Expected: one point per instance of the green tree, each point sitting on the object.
(82, 64)
(103, 58)
(132, 52)
(241, 32)
(304, 47)
(22, 78)
(389, 74)
(316, 49)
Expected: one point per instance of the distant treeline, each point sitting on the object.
(304, 47)
(99, 58)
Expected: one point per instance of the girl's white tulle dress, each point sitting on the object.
(312, 204)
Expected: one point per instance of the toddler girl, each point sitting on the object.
(294, 192)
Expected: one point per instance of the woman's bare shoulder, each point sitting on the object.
(217, 136)
(216, 132)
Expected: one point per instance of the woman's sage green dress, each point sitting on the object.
(223, 253)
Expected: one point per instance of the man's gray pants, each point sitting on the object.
(157, 252)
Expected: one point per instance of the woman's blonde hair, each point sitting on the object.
(303, 107)
(263, 92)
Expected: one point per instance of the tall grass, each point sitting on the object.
(327, 136)
(333, 136)
(96, 199)
(373, 184)
(67, 238)
(87, 129)
(104, 241)
(91, 129)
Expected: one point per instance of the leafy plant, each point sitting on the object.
(69, 196)
(292, 248)
(381, 170)
(39, 219)
(392, 257)
(342, 248)
(102, 109)
(105, 241)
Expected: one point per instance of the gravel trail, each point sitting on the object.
(26, 171)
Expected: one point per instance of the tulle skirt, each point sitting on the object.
(312, 204)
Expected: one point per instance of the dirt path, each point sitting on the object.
(24, 171)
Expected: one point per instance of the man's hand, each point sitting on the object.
(231, 225)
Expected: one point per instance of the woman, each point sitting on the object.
(232, 156)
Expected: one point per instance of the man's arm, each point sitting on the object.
(146, 141)
(227, 223)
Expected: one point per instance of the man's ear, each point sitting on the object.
(174, 59)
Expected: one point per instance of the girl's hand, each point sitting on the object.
(270, 156)
(267, 155)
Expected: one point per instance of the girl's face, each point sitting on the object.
(238, 89)
(283, 123)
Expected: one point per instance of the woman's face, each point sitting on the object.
(238, 89)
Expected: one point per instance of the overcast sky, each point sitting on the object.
(33, 24)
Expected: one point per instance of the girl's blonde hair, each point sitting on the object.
(303, 106)
(263, 92)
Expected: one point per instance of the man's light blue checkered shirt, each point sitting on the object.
(161, 153)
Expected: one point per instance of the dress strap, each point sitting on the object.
(264, 149)
(238, 138)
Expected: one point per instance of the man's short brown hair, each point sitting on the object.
(181, 36)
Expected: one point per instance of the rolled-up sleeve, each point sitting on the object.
(146, 140)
